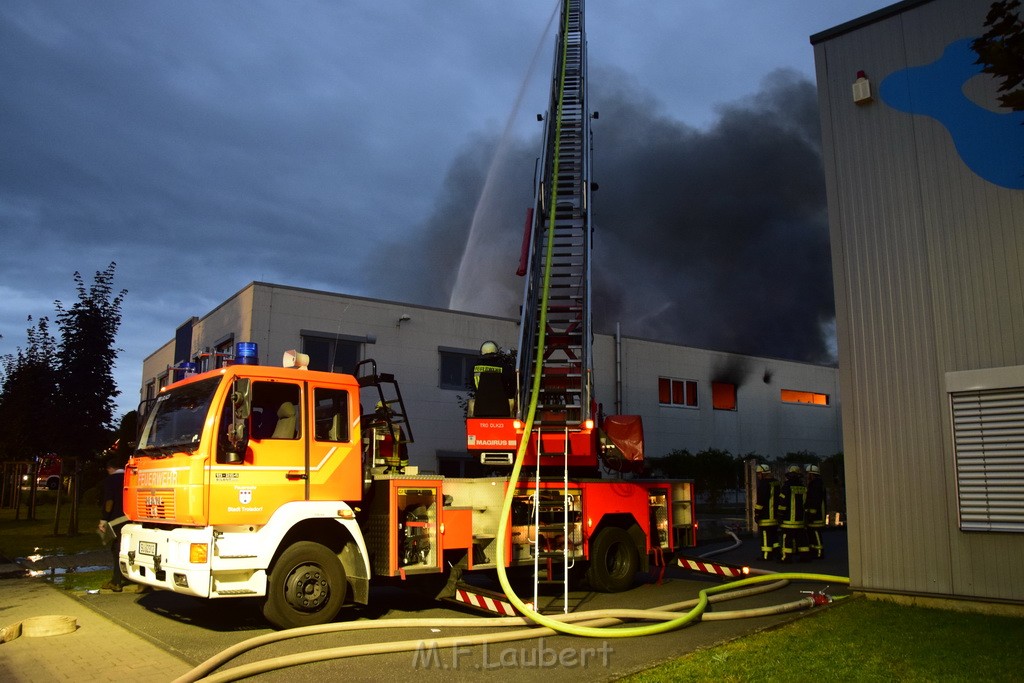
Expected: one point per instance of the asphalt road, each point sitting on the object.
(198, 629)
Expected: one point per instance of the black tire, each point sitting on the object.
(614, 561)
(306, 587)
(52, 483)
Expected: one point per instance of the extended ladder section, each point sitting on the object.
(556, 304)
(561, 246)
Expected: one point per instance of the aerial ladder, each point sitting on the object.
(569, 438)
(557, 299)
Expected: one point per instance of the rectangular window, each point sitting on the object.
(331, 355)
(224, 352)
(331, 414)
(988, 443)
(723, 396)
(808, 397)
(456, 369)
(677, 392)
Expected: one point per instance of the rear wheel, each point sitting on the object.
(306, 587)
(613, 561)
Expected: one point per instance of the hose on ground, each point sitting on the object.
(591, 619)
(718, 551)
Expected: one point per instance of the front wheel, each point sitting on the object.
(306, 587)
(613, 561)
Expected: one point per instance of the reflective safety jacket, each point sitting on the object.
(790, 509)
(764, 507)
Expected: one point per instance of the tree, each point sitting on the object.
(27, 396)
(713, 471)
(1001, 51)
(86, 356)
(716, 473)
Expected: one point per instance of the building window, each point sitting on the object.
(807, 397)
(224, 352)
(331, 355)
(456, 369)
(677, 392)
(988, 443)
(723, 396)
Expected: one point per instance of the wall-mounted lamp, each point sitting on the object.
(404, 318)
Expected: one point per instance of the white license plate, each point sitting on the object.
(147, 548)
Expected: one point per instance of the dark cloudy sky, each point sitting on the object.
(347, 146)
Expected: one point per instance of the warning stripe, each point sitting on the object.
(710, 567)
(484, 602)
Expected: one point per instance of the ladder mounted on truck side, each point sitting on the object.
(387, 417)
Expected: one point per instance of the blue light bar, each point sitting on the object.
(247, 353)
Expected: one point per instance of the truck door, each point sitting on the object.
(335, 468)
(273, 471)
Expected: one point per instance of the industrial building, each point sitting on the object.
(925, 180)
(689, 398)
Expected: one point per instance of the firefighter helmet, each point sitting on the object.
(813, 469)
(793, 469)
(487, 348)
(763, 468)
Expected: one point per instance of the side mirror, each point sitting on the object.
(241, 398)
(241, 408)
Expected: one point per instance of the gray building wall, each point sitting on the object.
(927, 257)
(276, 316)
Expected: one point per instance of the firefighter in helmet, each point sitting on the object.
(815, 511)
(493, 383)
(790, 513)
(764, 511)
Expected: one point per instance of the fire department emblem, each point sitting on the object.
(245, 496)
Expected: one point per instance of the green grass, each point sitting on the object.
(23, 537)
(863, 640)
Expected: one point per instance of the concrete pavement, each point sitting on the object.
(97, 650)
(104, 649)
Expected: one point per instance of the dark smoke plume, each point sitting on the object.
(711, 238)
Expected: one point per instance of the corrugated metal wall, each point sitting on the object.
(927, 259)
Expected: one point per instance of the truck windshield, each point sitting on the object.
(176, 421)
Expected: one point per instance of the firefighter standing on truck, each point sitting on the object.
(764, 511)
(790, 512)
(815, 511)
(492, 399)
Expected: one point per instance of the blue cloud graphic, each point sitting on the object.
(990, 143)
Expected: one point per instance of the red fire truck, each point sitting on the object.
(266, 481)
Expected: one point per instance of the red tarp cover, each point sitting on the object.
(627, 433)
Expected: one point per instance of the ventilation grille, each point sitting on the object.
(988, 438)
